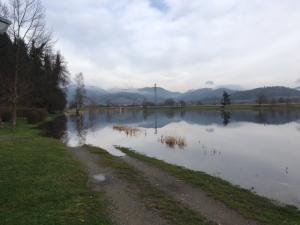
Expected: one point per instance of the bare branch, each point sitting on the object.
(28, 21)
(4, 10)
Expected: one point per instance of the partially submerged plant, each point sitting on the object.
(172, 141)
(127, 130)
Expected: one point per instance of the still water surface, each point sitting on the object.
(256, 150)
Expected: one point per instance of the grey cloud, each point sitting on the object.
(209, 83)
(134, 42)
(231, 86)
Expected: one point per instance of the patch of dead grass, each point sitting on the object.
(127, 130)
(173, 141)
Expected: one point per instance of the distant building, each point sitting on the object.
(4, 24)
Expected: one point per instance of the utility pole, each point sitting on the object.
(155, 94)
(155, 102)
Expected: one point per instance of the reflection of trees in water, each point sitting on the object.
(155, 123)
(169, 113)
(159, 118)
(226, 117)
(92, 118)
(145, 114)
(56, 128)
(275, 116)
(182, 113)
(262, 118)
(81, 131)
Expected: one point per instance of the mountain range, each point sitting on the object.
(100, 96)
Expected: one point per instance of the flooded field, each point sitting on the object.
(258, 150)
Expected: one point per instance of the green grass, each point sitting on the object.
(244, 201)
(170, 209)
(42, 184)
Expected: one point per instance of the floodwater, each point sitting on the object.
(257, 150)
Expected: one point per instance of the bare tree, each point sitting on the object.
(80, 92)
(28, 21)
(28, 25)
(3, 10)
(225, 99)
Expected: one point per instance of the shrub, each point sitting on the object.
(6, 116)
(35, 115)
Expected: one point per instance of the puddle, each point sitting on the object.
(99, 178)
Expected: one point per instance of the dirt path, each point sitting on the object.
(189, 195)
(126, 208)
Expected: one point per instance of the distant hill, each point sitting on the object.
(120, 98)
(268, 92)
(123, 96)
(205, 95)
(162, 94)
(92, 92)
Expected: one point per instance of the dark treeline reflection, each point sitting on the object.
(160, 118)
(79, 126)
(56, 128)
(226, 117)
(156, 119)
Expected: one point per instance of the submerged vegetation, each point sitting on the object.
(173, 141)
(127, 130)
(247, 203)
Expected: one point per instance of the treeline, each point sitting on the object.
(32, 76)
(42, 76)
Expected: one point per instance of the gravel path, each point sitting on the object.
(126, 208)
(192, 197)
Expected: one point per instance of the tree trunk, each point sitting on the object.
(14, 112)
(15, 88)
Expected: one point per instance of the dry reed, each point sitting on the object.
(127, 130)
(172, 141)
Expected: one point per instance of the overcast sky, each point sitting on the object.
(180, 44)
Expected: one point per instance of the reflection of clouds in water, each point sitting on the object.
(212, 148)
(210, 130)
(72, 140)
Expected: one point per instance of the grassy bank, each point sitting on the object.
(169, 209)
(244, 201)
(42, 184)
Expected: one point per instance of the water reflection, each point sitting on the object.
(56, 128)
(226, 117)
(81, 127)
(158, 119)
(253, 149)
